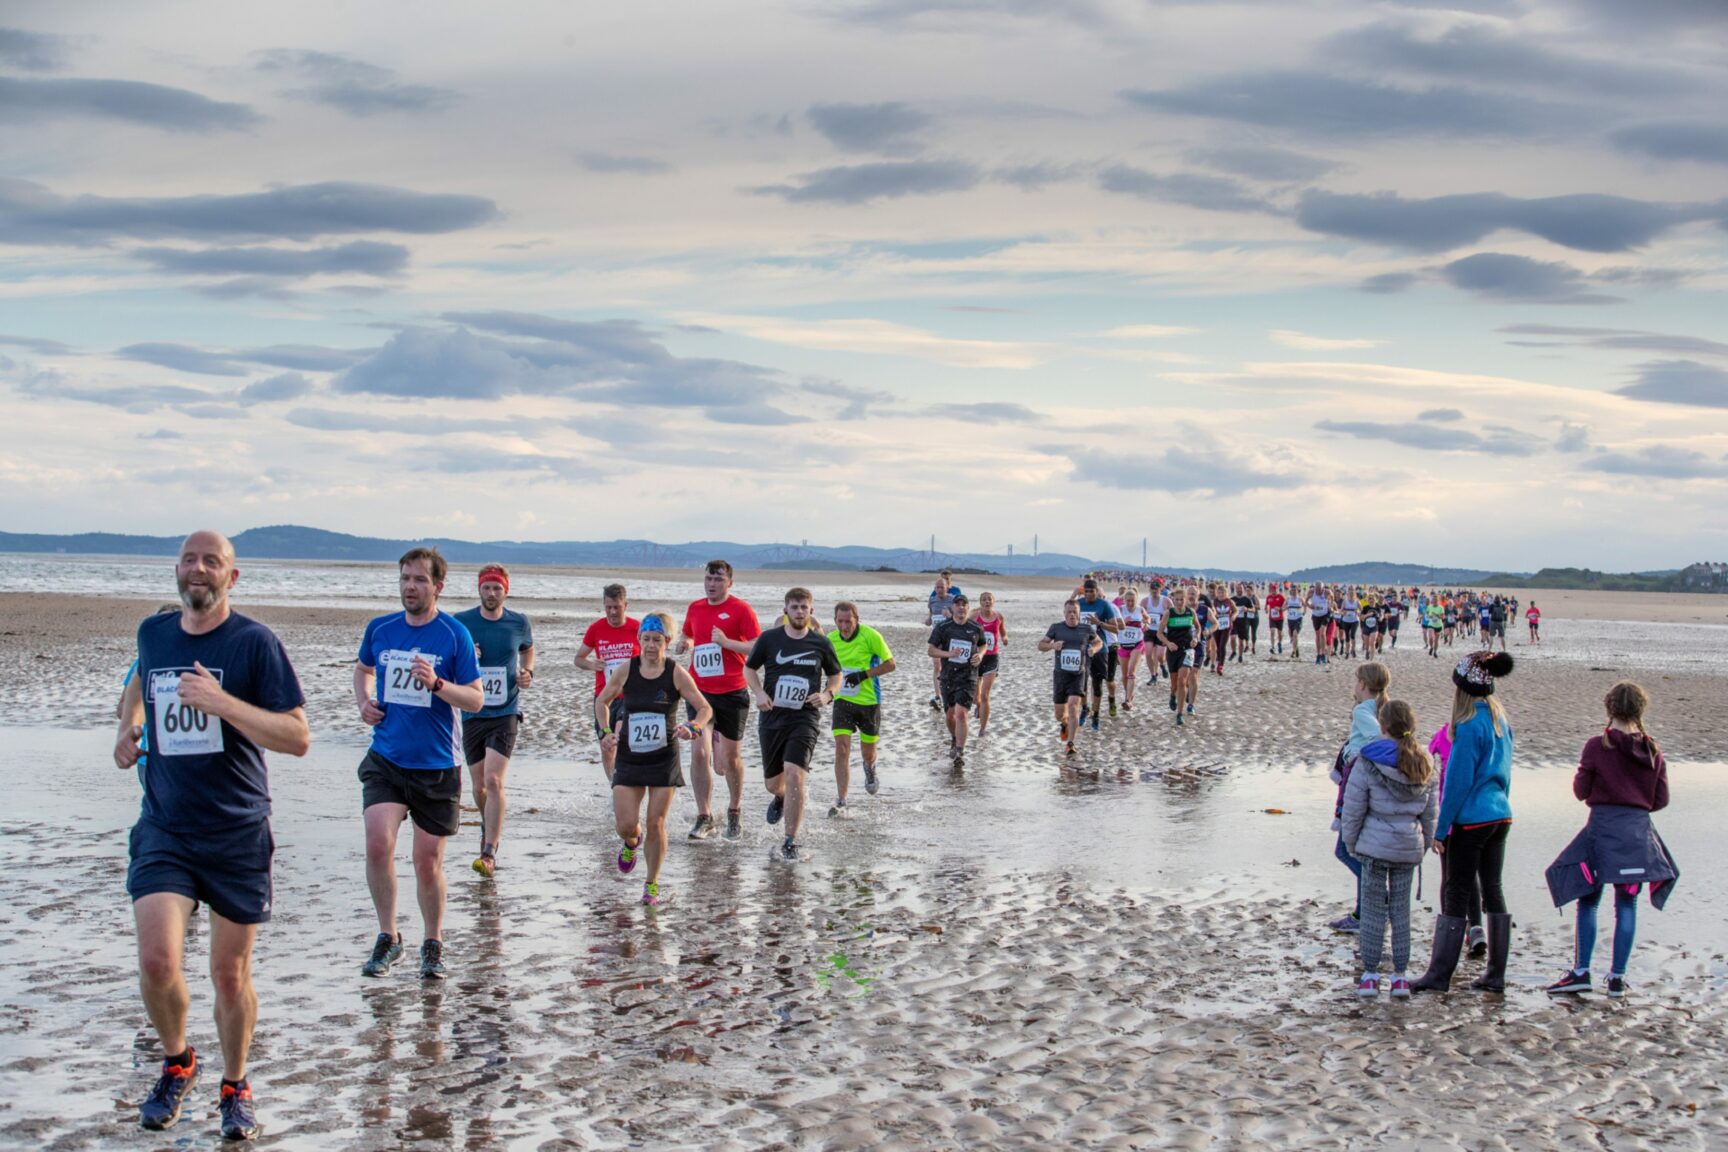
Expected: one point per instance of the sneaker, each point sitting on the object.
(627, 857)
(1085, 711)
(1190, 709)
(936, 703)
(776, 808)
(431, 960)
(1369, 986)
(871, 784)
(1112, 707)
(650, 893)
(703, 828)
(734, 824)
(1172, 701)
(238, 1120)
(789, 851)
(485, 864)
(1062, 730)
(161, 1108)
(1571, 982)
(959, 757)
(1094, 721)
(838, 809)
(1178, 719)
(1346, 923)
(1617, 987)
(1400, 987)
(1070, 751)
(386, 950)
(1477, 940)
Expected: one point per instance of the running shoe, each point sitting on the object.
(1571, 982)
(959, 757)
(1062, 730)
(238, 1120)
(1172, 701)
(161, 1108)
(1346, 923)
(838, 809)
(386, 950)
(776, 808)
(627, 858)
(650, 893)
(789, 853)
(1617, 987)
(1127, 705)
(936, 703)
(1369, 986)
(1112, 708)
(1477, 940)
(1400, 987)
(1190, 709)
(1178, 719)
(431, 960)
(1070, 748)
(485, 864)
(871, 784)
(703, 828)
(1085, 711)
(734, 824)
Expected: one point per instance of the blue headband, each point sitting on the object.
(651, 624)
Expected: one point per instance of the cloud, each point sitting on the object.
(473, 461)
(889, 179)
(162, 434)
(1680, 382)
(130, 398)
(1199, 467)
(364, 257)
(1148, 331)
(1484, 7)
(608, 164)
(986, 412)
(1624, 338)
(1269, 165)
(1214, 192)
(857, 401)
(882, 337)
(892, 129)
(1659, 462)
(1587, 222)
(183, 358)
(1573, 437)
(755, 416)
(1293, 339)
(34, 101)
(1508, 277)
(1388, 283)
(1441, 415)
(36, 344)
(970, 15)
(351, 86)
(31, 214)
(1326, 105)
(34, 51)
(405, 423)
(1703, 141)
(1499, 442)
(287, 386)
(1034, 177)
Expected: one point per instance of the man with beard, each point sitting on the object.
(504, 646)
(718, 632)
(609, 644)
(793, 674)
(215, 691)
(416, 669)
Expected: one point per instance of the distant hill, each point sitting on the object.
(1380, 572)
(1562, 579)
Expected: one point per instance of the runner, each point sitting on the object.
(1448, 621)
(1247, 620)
(608, 645)
(940, 597)
(1074, 643)
(1372, 613)
(1349, 619)
(1131, 647)
(215, 691)
(411, 768)
(1320, 612)
(1433, 624)
(1275, 619)
(1497, 614)
(1394, 613)
(864, 659)
(785, 671)
(1223, 624)
(995, 636)
(1533, 616)
(1293, 610)
(1485, 625)
(1102, 670)
(644, 743)
(1157, 601)
(1177, 633)
(504, 645)
(720, 630)
(961, 644)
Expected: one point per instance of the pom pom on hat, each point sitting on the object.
(1477, 672)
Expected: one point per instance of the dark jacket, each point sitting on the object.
(1622, 768)
(1618, 845)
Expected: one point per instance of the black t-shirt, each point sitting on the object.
(793, 672)
(1076, 639)
(1245, 609)
(960, 641)
(204, 774)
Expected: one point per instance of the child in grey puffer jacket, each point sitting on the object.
(1390, 805)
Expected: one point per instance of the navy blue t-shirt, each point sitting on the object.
(1101, 611)
(419, 729)
(203, 774)
(499, 642)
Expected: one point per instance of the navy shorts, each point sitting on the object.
(228, 869)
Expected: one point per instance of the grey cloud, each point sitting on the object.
(1327, 105)
(364, 257)
(1441, 415)
(1704, 141)
(30, 101)
(351, 86)
(35, 344)
(892, 129)
(1484, 7)
(242, 287)
(31, 214)
(1655, 17)
(1588, 222)
(607, 164)
(1033, 177)
(862, 183)
(1270, 165)
(130, 398)
(985, 412)
(273, 389)
(1680, 382)
(857, 401)
(34, 51)
(183, 358)
(1624, 338)
(964, 15)
(1660, 462)
(755, 415)
(1501, 441)
(1214, 192)
(1173, 469)
(1509, 277)
(1388, 283)
(1573, 437)
(162, 434)
(402, 423)
(213, 411)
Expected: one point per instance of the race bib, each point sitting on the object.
(1132, 636)
(990, 643)
(708, 661)
(181, 730)
(1188, 658)
(959, 651)
(494, 683)
(400, 687)
(613, 666)
(791, 692)
(647, 731)
(1068, 659)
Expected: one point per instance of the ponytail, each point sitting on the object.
(1398, 720)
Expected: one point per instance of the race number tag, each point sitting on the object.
(181, 730)
(791, 692)
(647, 731)
(1188, 658)
(1068, 659)
(1132, 636)
(960, 651)
(707, 661)
(613, 666)
(989, 643)
(494, 682)
(400, 687)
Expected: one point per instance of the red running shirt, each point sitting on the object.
(611, 645)
(719, 669)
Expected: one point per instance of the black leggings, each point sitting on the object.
(1476, 855)
(1473, 913)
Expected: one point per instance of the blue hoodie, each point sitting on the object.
(1478, 774)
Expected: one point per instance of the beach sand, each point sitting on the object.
(1127, 952)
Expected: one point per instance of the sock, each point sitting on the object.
(237, 1085)
(1580, 971)
(184, 1060)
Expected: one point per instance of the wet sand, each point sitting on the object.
(1126, 953)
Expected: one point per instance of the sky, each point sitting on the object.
(1266, 285)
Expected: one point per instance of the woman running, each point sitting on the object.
(647, 759)
(1223, 617)
(995, 635)
(1320, 612)
(1177, 633)
(1293, 610)
(1349, 617)
(1132, 643)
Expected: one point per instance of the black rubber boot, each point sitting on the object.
(1493, 978)
(1448, 944)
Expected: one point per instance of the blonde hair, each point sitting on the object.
(1375, 677)
(1398, 720)
(1464, 710)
